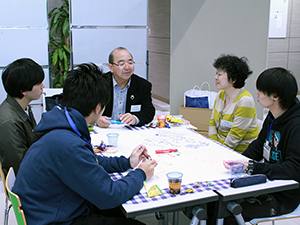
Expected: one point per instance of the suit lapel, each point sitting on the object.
(132, 94)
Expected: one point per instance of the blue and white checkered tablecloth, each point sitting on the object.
(197, 186)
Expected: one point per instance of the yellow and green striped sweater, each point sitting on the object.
(236, 125)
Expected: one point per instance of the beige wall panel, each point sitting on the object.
(288, 27)
(159, 48)
(277, 60)
(159, 45)
(159, 18)
(294, 66)
(289, 58)
(163, 69)
(295, 45)
(295, 17)
(278, 45)
(159, 91)
(159, 75)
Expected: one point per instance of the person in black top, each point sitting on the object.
(275, 152)
(130, 101)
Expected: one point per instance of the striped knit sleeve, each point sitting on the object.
(212, 131)
(244, 128)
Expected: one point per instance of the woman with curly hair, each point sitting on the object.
(233, 121)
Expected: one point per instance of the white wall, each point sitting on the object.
(24, 34)
(202, 30)
(94, 36)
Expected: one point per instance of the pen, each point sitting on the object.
(146, 154)
(165, 151)
(114, 121)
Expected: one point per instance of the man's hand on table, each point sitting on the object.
(128, 119)
(147, 165)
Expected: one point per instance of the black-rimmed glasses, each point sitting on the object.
(122, 64)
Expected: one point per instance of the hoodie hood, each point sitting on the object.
(56, 119)
(290, 114)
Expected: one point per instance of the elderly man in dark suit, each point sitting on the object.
(131, 101)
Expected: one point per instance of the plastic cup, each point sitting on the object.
(161, 121)
(236, 169)
(174, 179)
(113, 139)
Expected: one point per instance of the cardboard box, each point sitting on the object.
(198, 117)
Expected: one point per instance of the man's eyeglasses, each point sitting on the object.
(122, 64)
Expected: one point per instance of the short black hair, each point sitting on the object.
(111, 55)
(84, 88)
(21, 75)
(278, 82)
(236, 68)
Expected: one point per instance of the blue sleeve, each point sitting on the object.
(81, 173)
(114, 164)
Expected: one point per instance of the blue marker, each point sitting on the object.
(115, 122)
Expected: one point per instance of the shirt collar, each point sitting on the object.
(115, 82)
(17, 107)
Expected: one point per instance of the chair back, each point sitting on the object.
(3, 181)
(14, 198)
(8, 204)
(51, 97)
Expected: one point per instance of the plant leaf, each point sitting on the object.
(55, 57)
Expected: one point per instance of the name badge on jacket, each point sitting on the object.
(267, 150)
(135, 108)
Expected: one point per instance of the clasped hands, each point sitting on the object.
(140, 158)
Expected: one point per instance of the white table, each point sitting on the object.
(198, 158)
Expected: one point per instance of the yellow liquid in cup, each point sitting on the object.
(175, 186)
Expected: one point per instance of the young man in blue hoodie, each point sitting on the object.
(61, 177)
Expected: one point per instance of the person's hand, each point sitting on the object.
(139, 154)
(128, 119)
(148, 168)
(102, 122)
(244, 161)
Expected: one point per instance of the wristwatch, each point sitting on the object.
(250, 168)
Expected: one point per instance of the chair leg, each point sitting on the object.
(166, 219)
(236, 210)
(6, 212)
(175, 217)
(199, 216)
(220, 221)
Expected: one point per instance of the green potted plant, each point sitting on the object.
(59, 43)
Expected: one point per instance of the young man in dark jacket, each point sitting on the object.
(22, 80)
(275, 152)
(60, 176)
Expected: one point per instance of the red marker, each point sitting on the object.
(165, 151)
